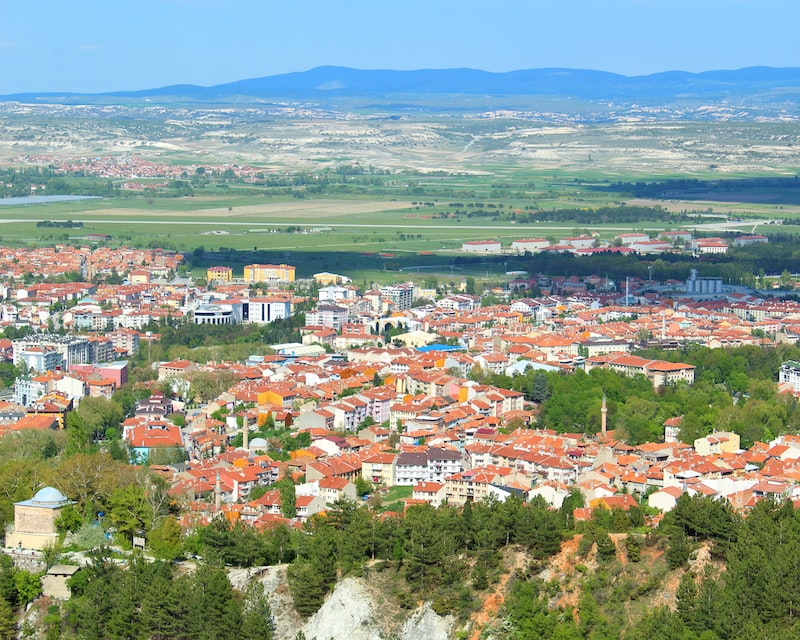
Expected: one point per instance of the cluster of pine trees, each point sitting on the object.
(18, 587)
(747, 588)
(150, 600)
(755, 595)
(453, 557)
(448, 555)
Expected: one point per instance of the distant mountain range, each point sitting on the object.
(753, 86)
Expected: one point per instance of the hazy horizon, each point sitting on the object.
(301, 71)
(97, 47)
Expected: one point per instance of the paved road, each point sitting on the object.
(371, 225)
(748, 225)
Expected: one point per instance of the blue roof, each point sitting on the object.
(47, 498)
(439, 347)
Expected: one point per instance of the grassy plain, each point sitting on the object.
(385, 240)
(389, 182)
(376, 224)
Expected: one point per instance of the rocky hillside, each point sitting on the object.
(582, 584)
(357, 609)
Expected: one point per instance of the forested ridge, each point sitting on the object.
(705, 572)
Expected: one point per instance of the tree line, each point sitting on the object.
(734, 390)
(752, 593)
(448, 555)
(152, 601)
(779, 189)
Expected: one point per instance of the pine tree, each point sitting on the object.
(424, 552)
(306, 586)
(633, 547)
(123, 620)
(164, 609)
(678, 551)
(686, 599)
(215, 605)
(353, 542)
(606, 549)
(288, 498)
(8, 622)
(8, 590)
(540, 389)
(257, 616)
(313, 574)
(539, 529)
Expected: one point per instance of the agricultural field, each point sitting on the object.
(370, 240)
(382, 196)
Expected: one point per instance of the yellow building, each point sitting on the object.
(139, 276)
(380, 469)
(717, 443)
(327, 278)
(268, 272)
(219, 274)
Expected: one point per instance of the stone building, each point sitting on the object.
(54, 582)
(35, 520)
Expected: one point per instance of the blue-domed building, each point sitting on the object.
(35, 520)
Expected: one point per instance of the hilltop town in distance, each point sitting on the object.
(474, 373)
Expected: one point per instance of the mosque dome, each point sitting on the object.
(49, 496)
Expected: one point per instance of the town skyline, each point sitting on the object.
(554, 397)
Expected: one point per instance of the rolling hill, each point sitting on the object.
(753, 87)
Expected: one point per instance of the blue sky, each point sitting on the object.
(109, 45)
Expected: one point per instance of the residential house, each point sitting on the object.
(717, 443)
(473, 485)
(380, 469)
(432, 492)
(144, 438)
(411, 468)
(334, 488)
(443, 463)
(307, 506)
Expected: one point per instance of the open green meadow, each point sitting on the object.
(386, 239)
(379, 199)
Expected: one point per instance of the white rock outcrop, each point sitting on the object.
(350, 612)
(426, 623)
(347, 614)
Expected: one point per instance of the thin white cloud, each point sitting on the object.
(6, 44)
(201, 4)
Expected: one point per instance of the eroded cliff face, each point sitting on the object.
(426, 623)
(355, 610)
(347, 614)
